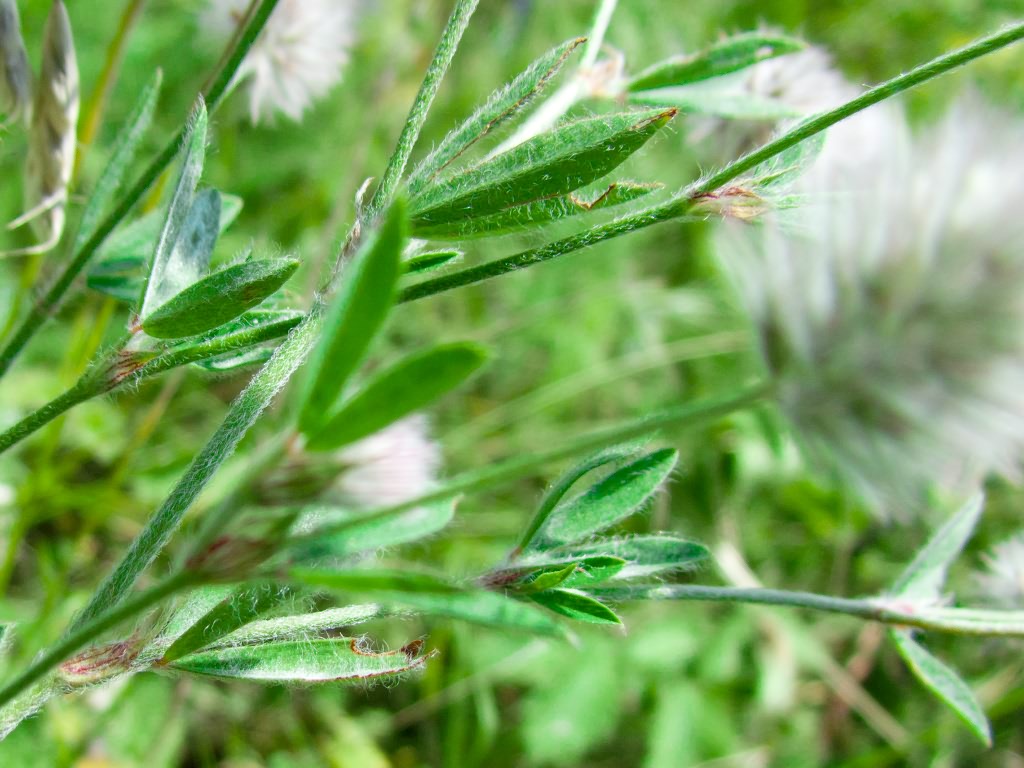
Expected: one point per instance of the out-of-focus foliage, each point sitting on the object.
(610, 332)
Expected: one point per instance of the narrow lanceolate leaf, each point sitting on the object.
(609, 501)
(406, 387)
(534, 214)
(644, 555)
(729, 55)
(119, 268)
(302, 626)
(158, 289)
(232, 613)
(234, 361)
(345, 534)
(576, 605)
(786, 166)
(923, 579)
(946, 684)
(306, 661)
(431, 596)
(125, 148)
(565, 484)
(218, 298)
(548, 165)
(355, 316)
(728, 103)
(500, 106)
(431, 260)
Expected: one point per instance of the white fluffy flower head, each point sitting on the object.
(393, 466)
(299, 56)
(891, 311)
(1003, 580)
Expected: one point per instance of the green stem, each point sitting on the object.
(443, 56)
(83, 390)
(862, 608)
(690, 416)
(680, 205)
(53, 295)
(672, 209)
(89, 630)
(937, 66)
(242, 414)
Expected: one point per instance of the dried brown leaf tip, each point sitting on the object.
(15, 79)
(51, 152)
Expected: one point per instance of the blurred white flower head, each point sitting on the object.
(297, 59)
(890, 309)
(393, 466)
(1003, 580)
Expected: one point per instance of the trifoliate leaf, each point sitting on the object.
(548, 165)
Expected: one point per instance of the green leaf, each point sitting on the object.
(431, 596)
(604, 504)
(923, 579)
(233, 361)
(120, 264)
(411, 384)
(576, 605)
(125, 148)
(329, 532)
(233, 612)
(375, 580)
(716, 102)
(722, 58)
(577, 574)
(218, 298)
(156, 293)
(302, 626)
(534, 214)
(431, 260)
(567, 481)
(354, 317)
(499, 107)
(190, 257)
(945, 683)
(538, 581)
(548, 165)
(306, 661)
(644, 555)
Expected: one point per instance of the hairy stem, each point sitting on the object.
(869, 609)
(443, 56)
(680, 205)
(88, 631)
(242, 414)
(52, 296)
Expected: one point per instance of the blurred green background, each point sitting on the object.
(611, 332)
